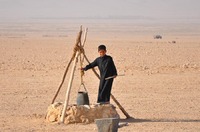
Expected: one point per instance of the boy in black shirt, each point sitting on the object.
(107, 69)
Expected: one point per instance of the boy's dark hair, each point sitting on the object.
(102, 47)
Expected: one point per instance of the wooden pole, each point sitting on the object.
(69, 88)
(119, 105)
(63, 79)
(75, 56)
(85, 36)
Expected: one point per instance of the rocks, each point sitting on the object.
(157, 37)
(81, 114)
(173, 42)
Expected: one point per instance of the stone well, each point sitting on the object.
(81, 114)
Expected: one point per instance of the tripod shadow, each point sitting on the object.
(134, 120)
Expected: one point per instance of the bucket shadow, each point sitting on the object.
(134, 120)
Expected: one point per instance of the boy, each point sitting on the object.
(107, 69)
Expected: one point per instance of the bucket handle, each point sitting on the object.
(82, 84)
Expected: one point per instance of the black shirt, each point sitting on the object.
(105, 64)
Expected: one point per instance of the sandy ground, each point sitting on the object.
(160, 89)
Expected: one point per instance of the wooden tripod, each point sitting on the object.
(78, 50)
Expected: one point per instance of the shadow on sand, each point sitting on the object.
(133, 120)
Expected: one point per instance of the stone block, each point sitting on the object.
(107, 124)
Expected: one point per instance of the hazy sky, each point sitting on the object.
(100, 8)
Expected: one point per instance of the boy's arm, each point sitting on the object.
(91, 65)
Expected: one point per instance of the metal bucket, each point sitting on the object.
(82, 97)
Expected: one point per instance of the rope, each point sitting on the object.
(81, 71)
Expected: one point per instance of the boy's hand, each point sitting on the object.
(82, 69)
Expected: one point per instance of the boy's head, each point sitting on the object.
(102, 50)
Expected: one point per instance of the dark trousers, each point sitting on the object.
(104, 90)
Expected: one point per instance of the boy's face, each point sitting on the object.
(102, 53)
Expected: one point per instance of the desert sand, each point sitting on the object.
(160, 89)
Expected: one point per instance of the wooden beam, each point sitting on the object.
(69, 89)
